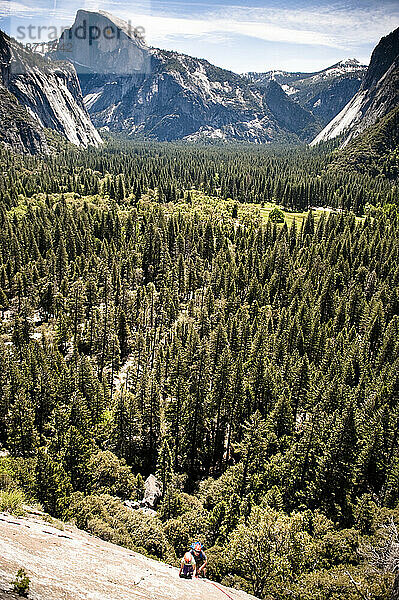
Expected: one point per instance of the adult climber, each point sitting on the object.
(201, 561)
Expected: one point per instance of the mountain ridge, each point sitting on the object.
(169, 95)
(323, 93)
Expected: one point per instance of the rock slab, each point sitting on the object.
(73, 565)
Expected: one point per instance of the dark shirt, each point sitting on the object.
(199, 558)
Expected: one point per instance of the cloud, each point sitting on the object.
(329, 26)
(9, 8)
(345, 28)
(342, 24)
(161, 28)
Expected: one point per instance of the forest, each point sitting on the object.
(155, 320)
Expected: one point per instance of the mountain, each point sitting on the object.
(375, 151)
(289, 114)
(323, 93)
(18, 129)
(377, 96)
(64, 563)
(132, 88)
(37, 94)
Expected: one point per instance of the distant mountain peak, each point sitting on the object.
(99, 42)
(167, 95)
(349, 61)
(128, 28)
(323, 93)
(347, 65)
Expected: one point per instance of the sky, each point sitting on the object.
(251, 35)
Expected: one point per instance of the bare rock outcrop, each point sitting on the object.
(152, 495)
(152, 492)
(70, 564)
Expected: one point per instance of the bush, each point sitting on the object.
(219, 565)
(341, 547)
(335, 584)
(196, 523)
(7, 474)
(213, 491)
(110, 475)
(281, 547)
(237, 583)
(178, 535)
(17, 473)
(12, 501)
(21, 583)
(109, 519)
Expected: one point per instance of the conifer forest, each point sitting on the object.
(226, 318)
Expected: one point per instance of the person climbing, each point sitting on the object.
(188, 566)
(200, 559)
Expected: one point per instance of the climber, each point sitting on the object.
(187, 566)
(200, 559)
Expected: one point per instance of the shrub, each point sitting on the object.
(178, 535)
(213, 491)
(17, 473)
(190, 503)
(21, 583)
(196, 523)
(12, 501)
(341, 547)
(278, 542)
(109, 519)
(219, 565)
(335, 584)
(7, 475)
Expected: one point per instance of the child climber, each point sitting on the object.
(187, 566)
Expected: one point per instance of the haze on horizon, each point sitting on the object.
(252, 35)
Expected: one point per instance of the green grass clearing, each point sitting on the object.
(290, 216)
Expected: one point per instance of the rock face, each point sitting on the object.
(18, 129)
(167, 95)
(289, 114)
(323, 93)
(72, 565)
(377, 96)
(152, 492)
(152, 495)
(100, 43)
(38, 94)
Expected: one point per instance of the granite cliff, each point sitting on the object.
(38, 94)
